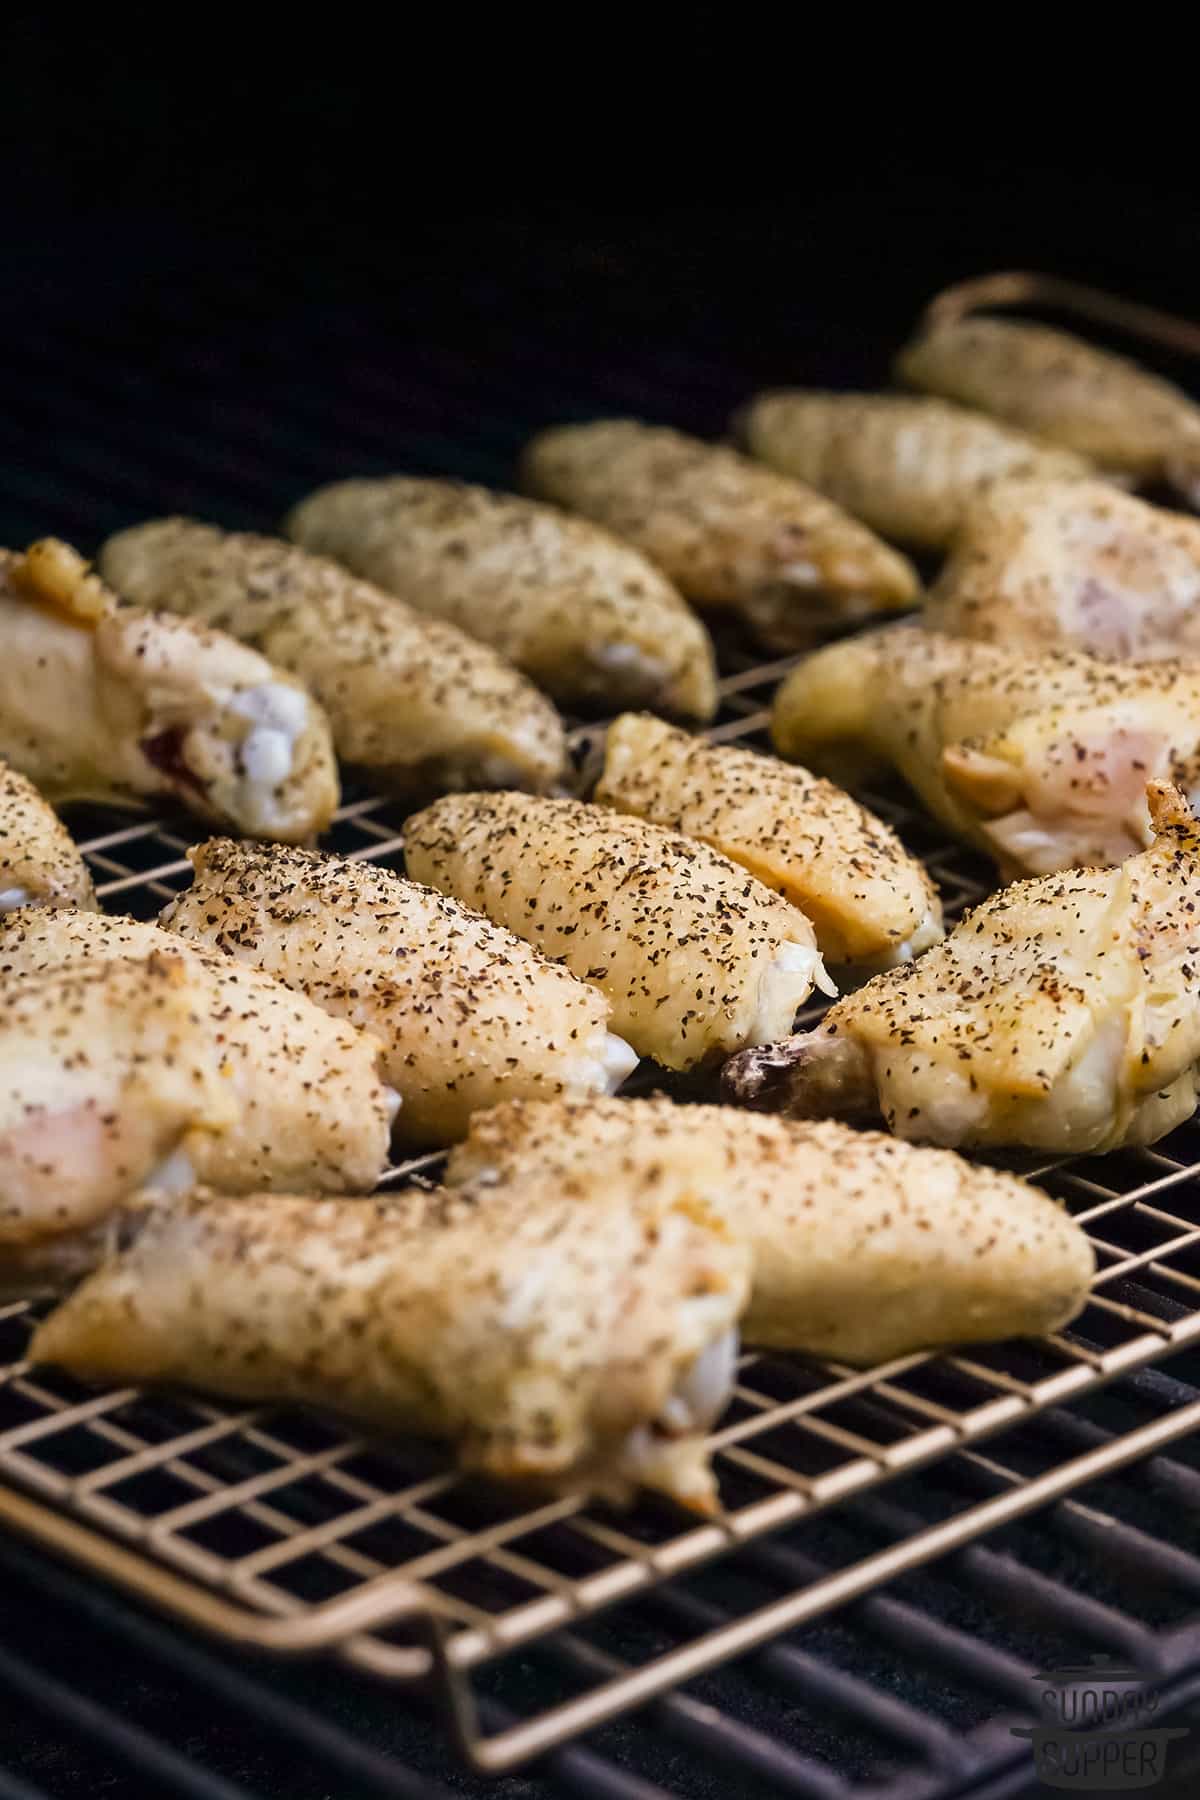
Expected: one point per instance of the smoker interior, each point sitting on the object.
(840, 1632)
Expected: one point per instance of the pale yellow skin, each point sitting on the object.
(1067, 391)
(412, 699)
(553, 1337)
(731, 534)
(869, 901)
(1062, 1015)
(307, 1103)
(101, 702)
(466, 1013)
(39, 862)
(1040, 759)
(694, 955)
(586, 616)
(103, 1074)
(864, 1248)
(908, 467)
(1072, 565)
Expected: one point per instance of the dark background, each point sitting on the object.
(236, 261)
(240, 259)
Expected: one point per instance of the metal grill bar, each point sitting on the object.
(137, 1749)
(636, 1686)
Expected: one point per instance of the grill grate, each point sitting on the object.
(840, 1632)
(273, 1528)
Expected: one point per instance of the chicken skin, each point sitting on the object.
(695, 957)
(307, 1105)
(731, 534)
(1067, 391)
(466, 1013)
(869, 901)
(414, 701)
(39, 863)
(1062, 1015)
(107, 702)
(1040, 760)
(863, 1247)
(1072, 565)
(580, 1334)
(907, 467)
(586, 616)
(105, 1071)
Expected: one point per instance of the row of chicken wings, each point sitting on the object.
(193, 1113)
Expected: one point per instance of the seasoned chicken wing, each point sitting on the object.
(729, 533)
(466, 1012)
(582, 613)
(39, 863)
(1073, 565)
(1063, 1015)
(1065, 389)
(1041, 760)
(412, 699)
(695, 956)
(308, 1106)
(908, 467)
(863, 1248)
(581, 1333)
(103, 702)
(869, 901)
(105, 1071)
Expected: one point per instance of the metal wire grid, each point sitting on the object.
(276, 1529)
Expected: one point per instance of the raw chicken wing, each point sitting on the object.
(307, 1102)
(583, 614)
(695, 956)
(39, 863)
(1074, 565)
(1041, 760)
(107, 702)
(581, 1335)
(105, 1070)
(729, 533)
(870, 902)
(412, 699)
(1067, 391)
(1062, 1015)
(467, 1014)
(863, 1247)
(908, 467)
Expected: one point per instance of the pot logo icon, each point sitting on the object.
(1097, 1731)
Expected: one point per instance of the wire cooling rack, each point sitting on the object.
(277, 1530)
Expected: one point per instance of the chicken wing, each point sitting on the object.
(1040, 760)
(103, 702)
(729, 533)
(1062, 1015)
(104, 1073)
(412, 699)
(583, 614)
(1068, 391)
(907, 467)
(863, 1248)
(870, 902)
(39, 863)
(1073, 565)
(582, 1335)
(467, 1014)
(695, 956)
(309, 1108)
